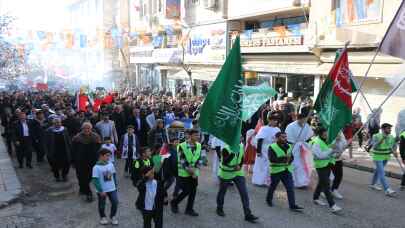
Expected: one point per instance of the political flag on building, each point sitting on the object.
(220, 113)
(394, 40)
(254, 97)
(334, 102)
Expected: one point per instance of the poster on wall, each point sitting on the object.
(172, 9)
(207, 43)
(349, 12)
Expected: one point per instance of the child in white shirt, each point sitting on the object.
(103, 178)
(109, 146)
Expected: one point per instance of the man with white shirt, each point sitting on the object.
(265, 137)
(106, 128)
(298, 134)
(23, 140)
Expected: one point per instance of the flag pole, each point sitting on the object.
(377, 51)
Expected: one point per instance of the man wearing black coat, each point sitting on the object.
(39, 127)
(85, 146)
(23, 137)
(140, 126)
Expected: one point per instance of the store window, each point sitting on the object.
(300, 86)
(349, 12)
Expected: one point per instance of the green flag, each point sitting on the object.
(334, 101)
(254, 97)
(220, 114)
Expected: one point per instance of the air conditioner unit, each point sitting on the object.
(210, 4)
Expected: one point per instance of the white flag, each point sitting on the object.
(394, 40)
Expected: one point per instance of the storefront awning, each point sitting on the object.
(207, 75)
(359, 70)
(281, 63)
(384, 66)
(282, 67)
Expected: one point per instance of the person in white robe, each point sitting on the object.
(264, 137)
(299, 133)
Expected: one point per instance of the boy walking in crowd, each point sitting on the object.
(109, 146)
(105, 183)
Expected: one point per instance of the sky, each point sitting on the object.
(36, 14)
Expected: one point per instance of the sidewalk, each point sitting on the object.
(362, 161)
(10, 185)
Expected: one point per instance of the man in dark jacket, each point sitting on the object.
(39, 126)
(23, 138)
(58, 150)
(85, 146)
(72, 123)
(119, 119)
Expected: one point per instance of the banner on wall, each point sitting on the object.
(206, 43)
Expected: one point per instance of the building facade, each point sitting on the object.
(364, 25)
(289, 43)
(100, 27)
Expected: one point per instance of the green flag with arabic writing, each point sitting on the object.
(220, 114)
(254, 97)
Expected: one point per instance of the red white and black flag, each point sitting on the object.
(394, 40)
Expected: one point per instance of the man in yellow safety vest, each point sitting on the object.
(324, 159)
(280, 156)
(188, 163)
(383, 144)
(230, 170)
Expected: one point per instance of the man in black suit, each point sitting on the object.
(140, 125)
(23, 140)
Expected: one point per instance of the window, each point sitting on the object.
(195, 2)
(348, 12)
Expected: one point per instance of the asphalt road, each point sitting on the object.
(50, 204)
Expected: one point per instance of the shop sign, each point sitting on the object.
(141, 54)
(272, 41)
(167, 55)
(207, 44)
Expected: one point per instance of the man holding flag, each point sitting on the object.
(334, 108)
(221, 116)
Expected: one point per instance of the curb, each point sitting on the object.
(11, 188)
(371, 170)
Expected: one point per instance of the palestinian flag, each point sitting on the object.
(334, 102)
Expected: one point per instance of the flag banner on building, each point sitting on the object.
(220, 113)
(334, 102)
(394, 40)
(254, 97)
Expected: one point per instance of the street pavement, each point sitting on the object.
(57, 205)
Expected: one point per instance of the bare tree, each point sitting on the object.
(12, 61)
